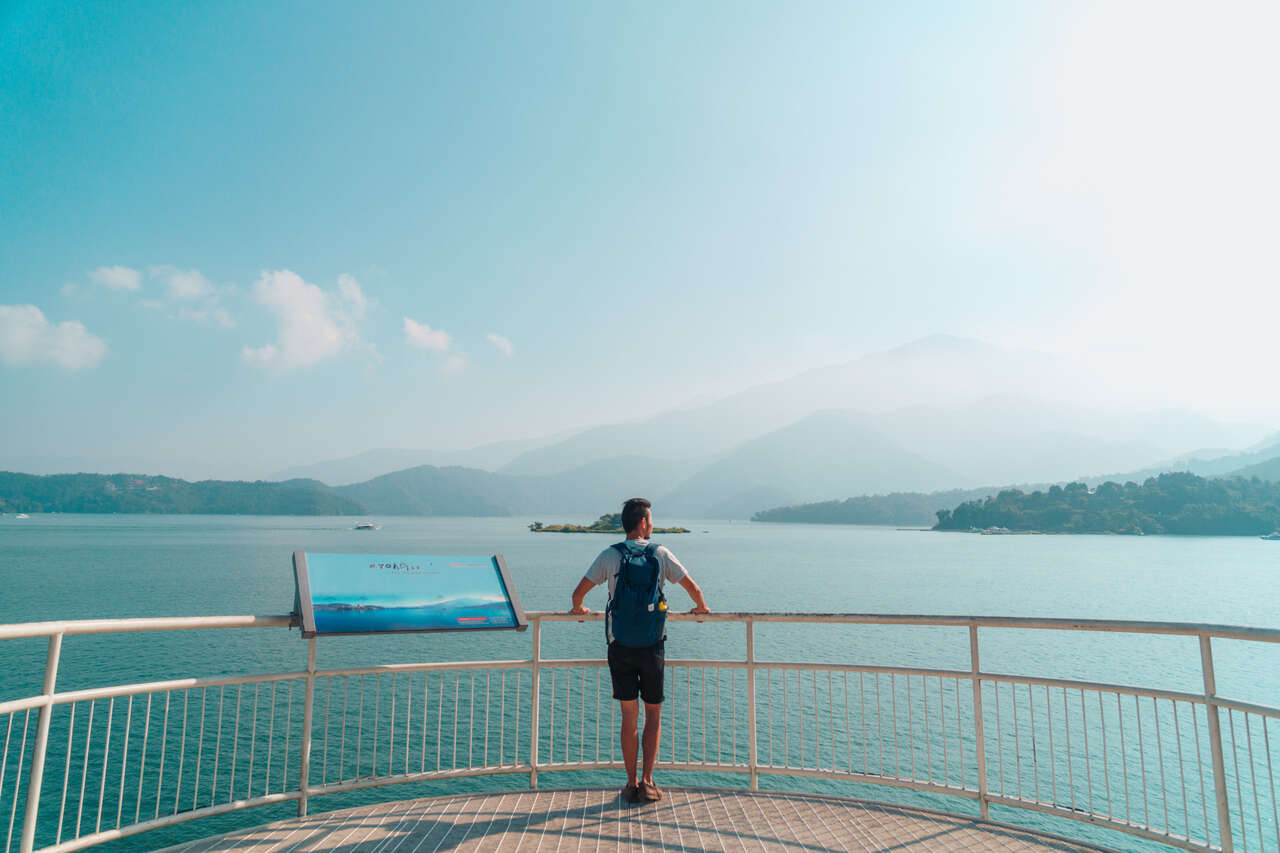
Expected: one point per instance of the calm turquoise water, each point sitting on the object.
(75, 567)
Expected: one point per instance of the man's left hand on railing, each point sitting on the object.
(579, 609)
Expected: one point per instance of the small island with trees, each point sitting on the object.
(1177, 503)
(609, 523)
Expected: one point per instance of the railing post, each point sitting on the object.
(1215, 744)
(36, 777)
(304, 771)
(533, 704)
(752, 760)
(984, 809)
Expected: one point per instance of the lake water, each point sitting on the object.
(79, 567)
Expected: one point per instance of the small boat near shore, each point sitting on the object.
(1272, 536)
(368, 525)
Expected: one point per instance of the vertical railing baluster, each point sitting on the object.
(984, 808)
(1017, 738)
(1106, 765)
(1235, 760)
(1088, 760)
(17, 781)
(195, 783)
(235, 742)
(942, 721)
(1142, 764)
(893, 706)
(1215, 744)
(164, 740)
(373, 735)
(703, 702)
(35, 777)
(271, 732)
(84, 769)
(928, 746)
(515, 718)
(769, 689)
(288, 730)
(359, 726)
(124, 761)
(786, 725)
(253, 739)
(342, 732)
(1253, 779)
(66, 773)
(1071, 776)
(426, 696)
(551, 720)
(304, 749)
(391, 736)
(1271, 776)
(534, 665)
(911, 730)
(4, 767)
(440, 722)
(408, 721)
(182, 747)
(999, 738)
(1164, 787)
(753, 757)
(879, 726)
(848, 729)
(733, 715)
(831, 721)
(1124, 760)
(1053, 761)
(1204, 808)
(1035, 747)
(1182, 772)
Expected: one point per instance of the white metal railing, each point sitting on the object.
(1189, 769)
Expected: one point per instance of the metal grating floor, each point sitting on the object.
(594, 819)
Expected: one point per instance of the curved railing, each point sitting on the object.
(1191, 769)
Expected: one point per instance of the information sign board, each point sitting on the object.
(387, 593)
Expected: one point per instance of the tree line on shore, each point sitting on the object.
(1175, 503)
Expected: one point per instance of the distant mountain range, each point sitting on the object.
(939, 414)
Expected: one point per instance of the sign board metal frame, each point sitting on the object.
(304, 610)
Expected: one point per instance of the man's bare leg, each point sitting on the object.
(631, 739)
(652, 734)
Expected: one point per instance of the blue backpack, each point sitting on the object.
(636, 614)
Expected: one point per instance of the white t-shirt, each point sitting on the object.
(604, 569)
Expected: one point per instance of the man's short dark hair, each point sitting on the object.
(633, 512)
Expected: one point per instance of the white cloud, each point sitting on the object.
(422, 336)
(502, 343)
(455, 363)
(184, 285)
(313, 325)
(352, 295)
(26, 337)
(116, 278)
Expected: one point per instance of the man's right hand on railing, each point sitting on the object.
(579, 609)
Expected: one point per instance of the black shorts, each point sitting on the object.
(637, 672)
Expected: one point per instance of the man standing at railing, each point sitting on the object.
(635, 629)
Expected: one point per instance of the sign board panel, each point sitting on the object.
(387, 593)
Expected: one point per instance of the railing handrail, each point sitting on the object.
(17, 630)
(1213, 704)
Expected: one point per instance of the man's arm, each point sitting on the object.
(695, 592)
(579, 593)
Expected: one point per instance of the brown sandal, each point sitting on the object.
(630, 793)
(650, 792)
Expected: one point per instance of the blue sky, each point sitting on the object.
(240, 236)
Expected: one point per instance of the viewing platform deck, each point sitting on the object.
(596, 819)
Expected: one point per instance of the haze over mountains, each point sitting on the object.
(940, 413)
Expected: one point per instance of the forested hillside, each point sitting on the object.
(135, 493)
(1179, 503)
